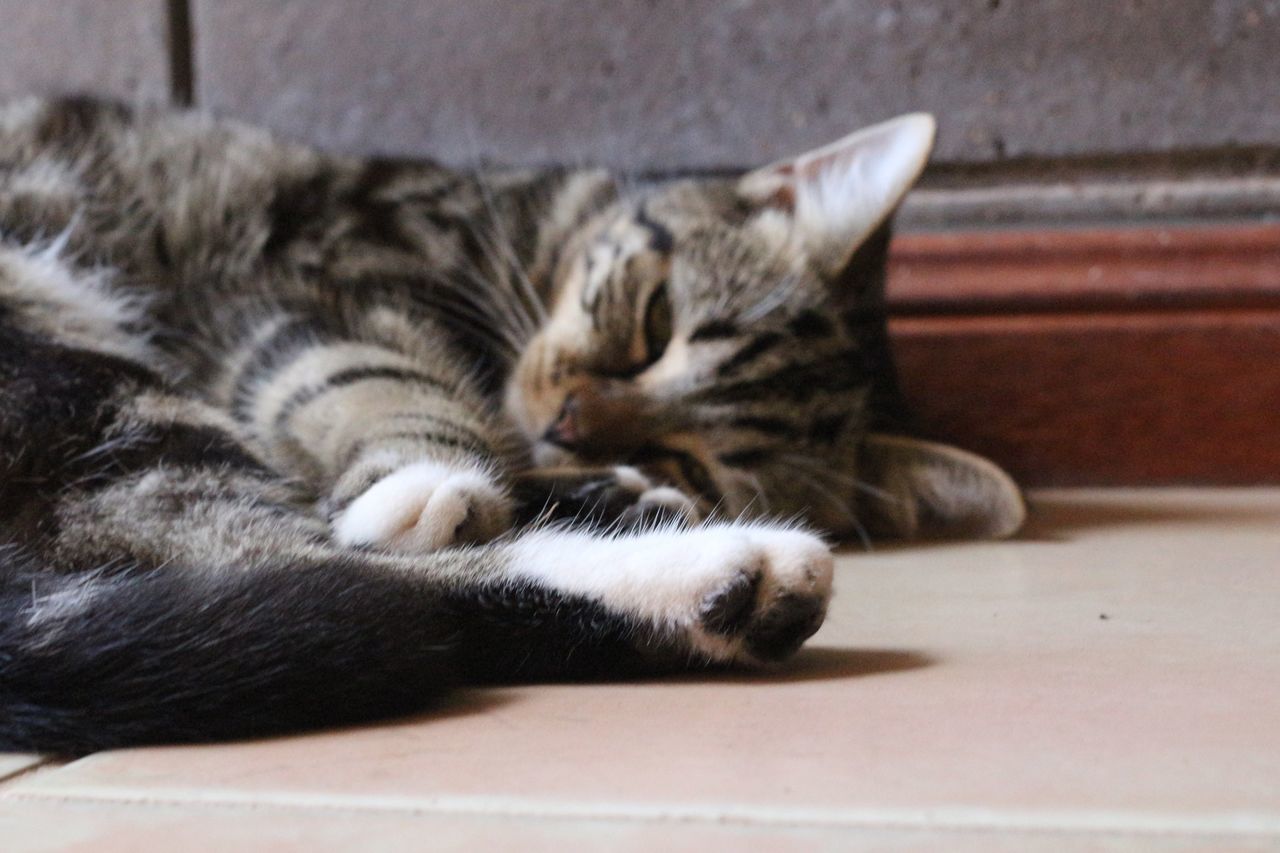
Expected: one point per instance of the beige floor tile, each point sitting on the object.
(78, 827)
(12, 763)
(1115, 672)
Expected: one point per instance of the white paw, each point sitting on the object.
(653, 502)
(727, 593)
(766, 602)
(424, 507)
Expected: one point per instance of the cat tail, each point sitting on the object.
(123, 657)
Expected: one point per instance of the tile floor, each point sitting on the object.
(1109, 681)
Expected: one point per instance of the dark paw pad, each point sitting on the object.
(784, 626)
(729, 608)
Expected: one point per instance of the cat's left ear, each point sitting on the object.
(838, 194)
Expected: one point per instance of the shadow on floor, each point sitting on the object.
(458, 702)
(820, 663)
(817, 663)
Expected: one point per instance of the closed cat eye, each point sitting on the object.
(657, 325)
(657, 333)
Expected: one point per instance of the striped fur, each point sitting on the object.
(268, 418)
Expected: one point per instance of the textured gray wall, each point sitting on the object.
(705, 83)
(681, 83)
(118, 47)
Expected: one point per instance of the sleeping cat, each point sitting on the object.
(288, 439)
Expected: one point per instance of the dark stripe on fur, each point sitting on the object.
(767, 425)
(837, 374)
(748, 458)
(445, 423)
(811, 324)
(296, 209)
(290, 339)
(178, 445)
(758, 345)
(71, 122)
(434, 439)
(693, 472)
(350, 376)
(826, 429)
(714, 330)
(660, 238)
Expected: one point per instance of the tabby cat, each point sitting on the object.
(289, 439)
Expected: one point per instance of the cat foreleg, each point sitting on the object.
(388, 430)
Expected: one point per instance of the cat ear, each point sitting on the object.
(838, 194)
(919, 489)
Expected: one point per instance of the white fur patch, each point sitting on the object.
(631, 479)
(666, 577)
(78, 307)
(424, 507)
(672, 500)
(667, 498)
(50, 612)
(20, 115)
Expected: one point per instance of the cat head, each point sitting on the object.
(713, 334)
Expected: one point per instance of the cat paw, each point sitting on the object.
(768, 595)
(620, 497)
(425, 506)
(648, 504)
(722, 594)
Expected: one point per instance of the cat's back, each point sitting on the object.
(189, 193)
(189, 181)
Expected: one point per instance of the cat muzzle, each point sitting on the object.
(600, 423)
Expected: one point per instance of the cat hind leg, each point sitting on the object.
(721, 593)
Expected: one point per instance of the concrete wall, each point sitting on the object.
(674, 84)
(116, 47)
(706, 83)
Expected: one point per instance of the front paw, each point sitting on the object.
(620, 497)
(426, 506)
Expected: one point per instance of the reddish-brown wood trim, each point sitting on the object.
(1126, 355)
(1085, 269)
(1102, 398)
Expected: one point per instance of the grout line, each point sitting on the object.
(181, 58)
(947, 818)
(40, 764)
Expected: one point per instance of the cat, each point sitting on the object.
(290, 439)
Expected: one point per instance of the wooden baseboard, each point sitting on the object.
(1112, 356)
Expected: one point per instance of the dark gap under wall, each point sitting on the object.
(181, 60)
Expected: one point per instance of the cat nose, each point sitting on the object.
(564, 430)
